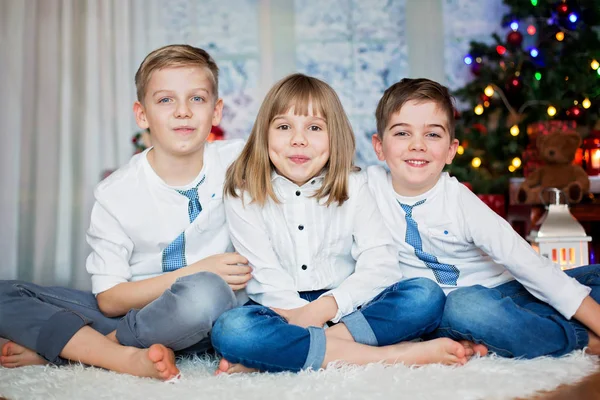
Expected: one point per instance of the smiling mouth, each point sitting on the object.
(185, 130)
(299, 159)
(417, 163)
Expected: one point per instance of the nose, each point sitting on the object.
(183, 110)
(299, 138)
(417, 143)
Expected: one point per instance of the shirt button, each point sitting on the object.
(304, 267)
(298, 193)
(301, 227)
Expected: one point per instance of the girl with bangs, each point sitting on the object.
(326, 284)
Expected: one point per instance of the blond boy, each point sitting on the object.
(161, 271)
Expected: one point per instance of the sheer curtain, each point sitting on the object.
(66, 116)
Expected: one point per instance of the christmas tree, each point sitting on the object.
(546, 68)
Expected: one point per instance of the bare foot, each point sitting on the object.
(14, 355)
(593, 346)
(437, 351)
(157, 362)
(225, 367)
(472, 348)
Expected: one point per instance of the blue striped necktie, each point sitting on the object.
(173, 256)
(445, 274)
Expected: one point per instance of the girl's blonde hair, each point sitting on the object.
(251, 172)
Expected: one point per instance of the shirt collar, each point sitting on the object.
(286, 189)
(410, 200)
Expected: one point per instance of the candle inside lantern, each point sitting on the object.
(595, 158)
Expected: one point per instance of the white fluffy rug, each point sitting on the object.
(482, 378)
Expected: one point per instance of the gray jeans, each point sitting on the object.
(44, 319)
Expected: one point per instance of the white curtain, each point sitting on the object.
(66, 81)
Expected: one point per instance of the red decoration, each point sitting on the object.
(480, 128)
(591, 153)
(497, 202)
(562, 9)
(531, 30)
(514, 84)
(514, 38)
(574, 112)
(216, 133)
(501, 50)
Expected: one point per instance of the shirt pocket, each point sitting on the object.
(214, 213)
(442, 238)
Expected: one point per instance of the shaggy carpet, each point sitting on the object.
(482, 378)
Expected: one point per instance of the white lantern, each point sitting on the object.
(561, 238)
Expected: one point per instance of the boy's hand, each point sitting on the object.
(232, 267)
(316, 313)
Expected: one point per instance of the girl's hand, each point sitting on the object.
(316, 313)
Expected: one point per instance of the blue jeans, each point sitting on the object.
(258, 337)
(44, 319)
(512, 323)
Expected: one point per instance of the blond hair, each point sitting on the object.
(251, 172)
(419, 90)
(176, 55)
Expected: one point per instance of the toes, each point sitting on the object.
(224, 365)
(6, 349)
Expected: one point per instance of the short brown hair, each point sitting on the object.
(175, 55)
(251, 172)
(419, 90)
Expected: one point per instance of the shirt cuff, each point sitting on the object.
(571, 298)
(101, 283)
(344, 302)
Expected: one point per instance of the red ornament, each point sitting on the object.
(591, 153)
(574, 112)
(216, 133)
(562, 9)
(501, 50)
(514, 38)
(514, 84)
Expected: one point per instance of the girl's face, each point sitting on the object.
(299, 145)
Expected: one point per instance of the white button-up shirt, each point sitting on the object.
(137, 215)
(460, 230)
(302, 245)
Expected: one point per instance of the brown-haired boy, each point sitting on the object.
(160, 272)
(501, 294)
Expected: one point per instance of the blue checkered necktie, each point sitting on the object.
(173, 256)
(444, 273)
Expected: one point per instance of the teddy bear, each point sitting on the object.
(557, 151)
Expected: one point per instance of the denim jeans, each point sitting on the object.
(511, 322)
(44, 319)
(257, 337)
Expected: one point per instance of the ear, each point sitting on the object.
(140, 115)
(452, 151)
(377, 143)
(217, 112)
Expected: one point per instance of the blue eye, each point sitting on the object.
(434, 134)
(164, 100)
(197, 98)
(401, 133)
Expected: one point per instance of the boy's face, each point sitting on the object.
(180, 110)
(416, 146)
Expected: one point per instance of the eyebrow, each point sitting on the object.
(403, 124)
(171, 91)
